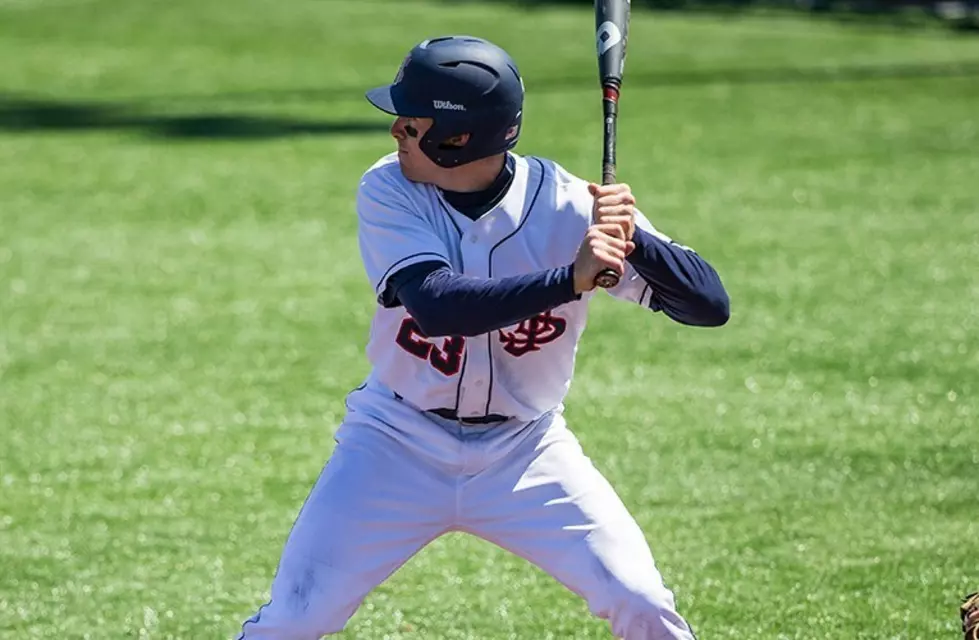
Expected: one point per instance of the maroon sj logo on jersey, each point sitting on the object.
(531, 333)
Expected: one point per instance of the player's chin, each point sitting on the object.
(407, 170)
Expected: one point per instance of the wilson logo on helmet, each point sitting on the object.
(445, 104)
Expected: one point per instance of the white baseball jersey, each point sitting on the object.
(523, 370)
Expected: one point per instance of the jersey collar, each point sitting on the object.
(474, 204)
(505, 217)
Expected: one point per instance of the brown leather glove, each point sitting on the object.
(970, 616)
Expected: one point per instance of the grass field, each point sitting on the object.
(182, 310)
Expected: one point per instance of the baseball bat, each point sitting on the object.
(611, 36)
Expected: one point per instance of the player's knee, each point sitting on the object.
(648, 614)
(280, 623)
(305, 605)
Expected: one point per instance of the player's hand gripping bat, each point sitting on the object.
(612, 32)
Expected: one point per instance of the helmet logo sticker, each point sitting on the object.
(445, 104)
(401, 70)
(512, 132)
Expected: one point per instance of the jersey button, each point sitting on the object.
(479, 383)
(474, 239)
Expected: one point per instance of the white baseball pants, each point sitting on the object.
(399, 478)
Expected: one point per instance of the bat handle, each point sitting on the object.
(608, 278)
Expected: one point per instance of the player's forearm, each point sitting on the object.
(684, 285)
(444, 303)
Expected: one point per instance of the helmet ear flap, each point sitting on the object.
(446, 143)
(455, 142)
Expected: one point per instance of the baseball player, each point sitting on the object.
(483, 262)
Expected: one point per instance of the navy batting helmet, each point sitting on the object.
(466, 85)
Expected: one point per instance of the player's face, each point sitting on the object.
(415, 165)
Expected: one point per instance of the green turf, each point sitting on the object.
(182, 310)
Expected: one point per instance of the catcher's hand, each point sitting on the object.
(970, 616)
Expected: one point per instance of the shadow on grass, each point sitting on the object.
(31, 114)
(23, 114)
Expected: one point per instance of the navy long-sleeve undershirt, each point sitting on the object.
(682, 284)
(443, 303)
